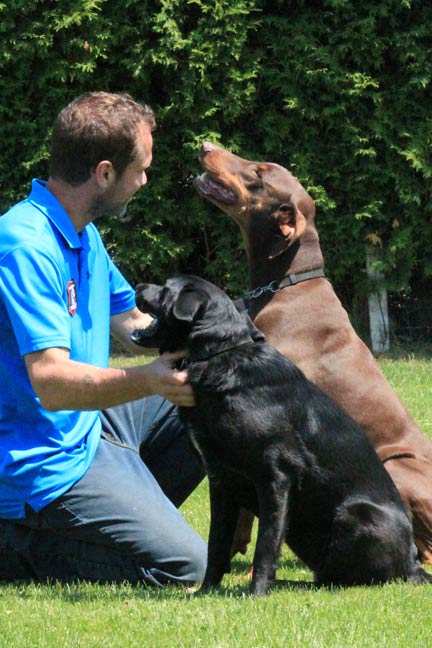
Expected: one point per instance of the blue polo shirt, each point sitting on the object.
(58, 288)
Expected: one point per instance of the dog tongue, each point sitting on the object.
(209, 187)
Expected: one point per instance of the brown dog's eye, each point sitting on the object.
(255, 179)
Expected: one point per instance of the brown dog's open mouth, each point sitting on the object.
(210, 188)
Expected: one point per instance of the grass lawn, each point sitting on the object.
(298, 615)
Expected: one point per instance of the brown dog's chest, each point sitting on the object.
(289, 324)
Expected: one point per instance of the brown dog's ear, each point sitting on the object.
(187, 304)
(292, 223)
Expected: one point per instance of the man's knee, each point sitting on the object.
(198, 563)
(189, 568)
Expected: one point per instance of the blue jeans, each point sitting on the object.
(119, 522)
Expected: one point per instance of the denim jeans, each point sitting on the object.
(119, 522)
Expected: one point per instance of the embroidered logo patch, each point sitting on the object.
(72, 297)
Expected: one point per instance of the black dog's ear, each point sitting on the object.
(256, 334)
(188, 304)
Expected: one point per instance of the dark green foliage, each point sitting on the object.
(350, 86)
(338, 91)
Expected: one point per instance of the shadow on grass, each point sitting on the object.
(235, 585)
(242, 590)
(122, 594)
(290, 562)
(85, 591)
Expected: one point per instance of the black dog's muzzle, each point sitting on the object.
(146, 337)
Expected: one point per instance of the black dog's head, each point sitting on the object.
(191, 314)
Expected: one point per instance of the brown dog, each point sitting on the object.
(299, 313)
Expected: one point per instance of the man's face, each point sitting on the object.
(114, 201)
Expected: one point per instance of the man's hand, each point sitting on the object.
(170, 383)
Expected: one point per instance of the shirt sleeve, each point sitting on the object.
(33, 291)
(122, 293)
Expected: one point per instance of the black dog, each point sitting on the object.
(277, 445)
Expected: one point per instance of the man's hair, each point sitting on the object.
(96, 126)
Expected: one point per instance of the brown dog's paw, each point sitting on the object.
(243, 533)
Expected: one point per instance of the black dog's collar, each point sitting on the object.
(274, 286)
(198, 358)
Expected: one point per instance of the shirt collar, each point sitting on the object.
(48, 204)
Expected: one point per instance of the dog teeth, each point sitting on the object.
(210, 187)
(202, 181)
(219, 188)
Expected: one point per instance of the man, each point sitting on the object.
(93, 460)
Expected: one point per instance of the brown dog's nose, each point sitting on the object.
(207, 147)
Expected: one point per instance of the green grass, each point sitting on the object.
(86, 615)
(411, 379)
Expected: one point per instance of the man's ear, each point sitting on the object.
(292, 224)
(105, 174)
(188, 303)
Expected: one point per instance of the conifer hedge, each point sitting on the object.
(338, 91)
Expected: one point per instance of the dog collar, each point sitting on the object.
(226, 350)
(274, 286)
